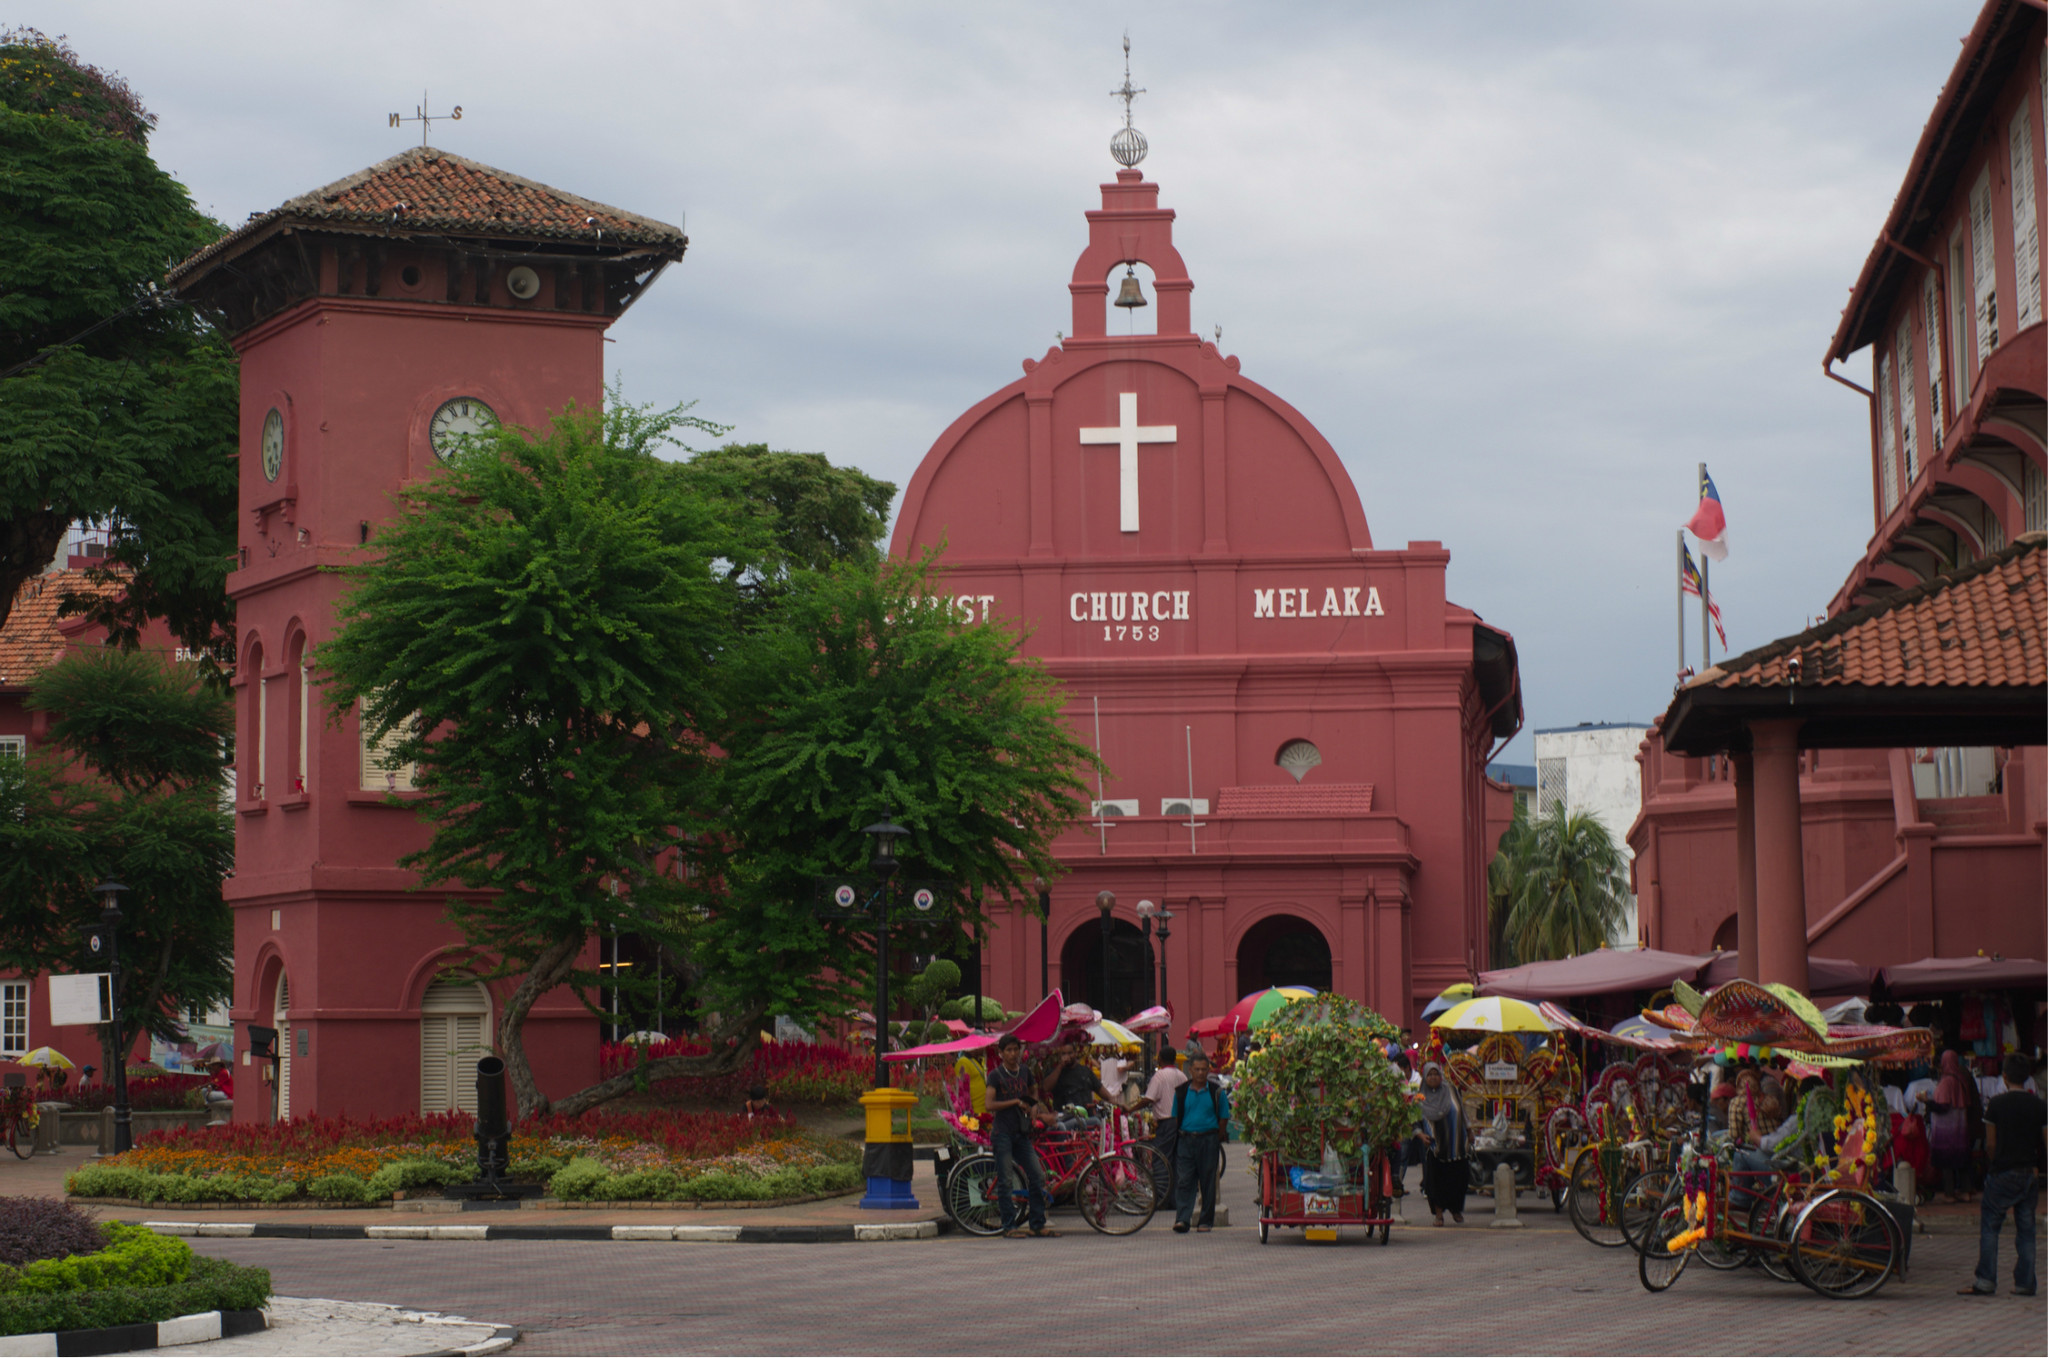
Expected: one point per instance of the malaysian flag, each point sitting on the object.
(1689, 583)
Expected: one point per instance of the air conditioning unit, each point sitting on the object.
(1123, 807)
(1181, 806)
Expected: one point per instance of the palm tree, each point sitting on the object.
(1559, 887)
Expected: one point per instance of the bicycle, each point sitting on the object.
(1113, 1188)
(20, 1115)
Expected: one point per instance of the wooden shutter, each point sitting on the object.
(453, 1037)
(1909, 414)
(1959, 315)
(382, 771)
(1983, 267)
(1887, 436)
(2026, 222)
(1930, 320)
(284, 1049)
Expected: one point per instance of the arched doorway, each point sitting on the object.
(1283, 950)
(1131, 969)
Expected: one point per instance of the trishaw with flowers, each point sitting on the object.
(1830, 1233)
(1323, 1106)
(1510, 1093)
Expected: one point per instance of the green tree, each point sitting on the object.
(117, 403)
(1559, 887)
(131, 785)
(867, 697)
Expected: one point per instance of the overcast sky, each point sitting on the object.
(1524, 265)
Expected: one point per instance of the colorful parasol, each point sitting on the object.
(46, 1058)
(1493, 1014)
(1452, 996)
(1255, 1008)
(1154, 1020)
(1076, 1014)
(1107, 1033)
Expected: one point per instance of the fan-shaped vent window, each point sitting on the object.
(1298, 757)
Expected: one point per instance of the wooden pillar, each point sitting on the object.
(1745, 866)
(1780, 853)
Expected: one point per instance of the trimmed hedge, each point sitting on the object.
(585, 1180)
(210, 1285)
(134, 1256)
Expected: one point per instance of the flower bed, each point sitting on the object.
(794, 1072)
(144, 1095)
(700, 1156)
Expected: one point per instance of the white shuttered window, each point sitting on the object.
(381, 771)
(1983, 267)
(1930, 310)
(453, 1019)
(1887, 437)
(1909, 416)
(281, 1020)
(2026, 221)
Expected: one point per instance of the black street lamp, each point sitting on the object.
(109, 893)
(1164, 917)
(1105, 901)
(1146, 910)
(883, 864)
(1044, 935)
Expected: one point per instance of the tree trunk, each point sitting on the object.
(730, 1045)
(547, 972)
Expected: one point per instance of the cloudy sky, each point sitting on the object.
(1525, 265)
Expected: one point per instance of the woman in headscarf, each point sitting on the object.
(1446, 1174)
(1948, 1125)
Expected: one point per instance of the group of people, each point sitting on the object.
(1191, 1109)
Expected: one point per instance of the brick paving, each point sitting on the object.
(1453, 1291)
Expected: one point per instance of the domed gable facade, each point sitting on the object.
(1296, 723)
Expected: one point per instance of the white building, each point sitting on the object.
(1592, 768)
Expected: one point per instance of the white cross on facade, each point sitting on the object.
(1127, 435)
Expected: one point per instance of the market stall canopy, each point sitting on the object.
(1041, 1024)
(1642, 1041)
(1605, 971)
(953, 1048)
(1824, 975)
(1942, 975)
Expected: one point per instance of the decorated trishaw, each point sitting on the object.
(1322, 1106)
(1818, 1223)
(1510, 1081)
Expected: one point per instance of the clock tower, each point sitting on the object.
(378, 319)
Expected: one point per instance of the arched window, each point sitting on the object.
(255, 724)
(298, 712)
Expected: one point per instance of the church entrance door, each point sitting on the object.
(1131, 969)
(1283, 950)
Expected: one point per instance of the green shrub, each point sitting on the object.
(106, 1181)
(135, 1256)
(407, 1175)
(342, 1188)
(578, 1180)
(210, 1285)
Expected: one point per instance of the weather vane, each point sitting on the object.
(426, 119)
(1128, 145)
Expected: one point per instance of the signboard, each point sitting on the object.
(86, 999)
(922, 900)
(841, 898)
(1505, 1072)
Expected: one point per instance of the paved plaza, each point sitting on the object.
(1540, 1289)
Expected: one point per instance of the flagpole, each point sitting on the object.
(1681, 604)
(1706, 621)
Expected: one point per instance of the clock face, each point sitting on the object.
(273, 444)
(456, 418)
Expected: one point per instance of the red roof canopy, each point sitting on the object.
(1606, 971)
(1824, 975)
(1940, 975)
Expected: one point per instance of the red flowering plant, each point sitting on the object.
(794, 1072)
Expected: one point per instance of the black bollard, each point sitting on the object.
(493, 1130)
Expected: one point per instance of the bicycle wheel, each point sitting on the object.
(970, 1196)
(1657, 1267)
(1594, 1214)
(1156, 1165)
(1641, 1201)
(1845, 1244)
(21, 1137)
(1769, 1218)
(1115, 1194)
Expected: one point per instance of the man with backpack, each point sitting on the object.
(1201, 1113)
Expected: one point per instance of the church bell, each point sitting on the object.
(1131, 295)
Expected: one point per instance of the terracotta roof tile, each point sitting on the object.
(431, 190)
(1305, 799)
(30, 640)
(1981, 625)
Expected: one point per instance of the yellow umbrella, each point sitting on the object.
(1493, 1014)
(49, 1058)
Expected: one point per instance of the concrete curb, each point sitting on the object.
(863, 1232)
(164, 1334)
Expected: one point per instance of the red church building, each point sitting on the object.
(1296, 722)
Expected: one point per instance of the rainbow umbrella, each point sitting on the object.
(1493, 1014)
(1259, 1006)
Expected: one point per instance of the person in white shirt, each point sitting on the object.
(1159, 1098)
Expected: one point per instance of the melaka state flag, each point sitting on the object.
(1708, 523)
(1689, 583)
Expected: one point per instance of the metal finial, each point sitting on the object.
(1127, 147)
(425, 119)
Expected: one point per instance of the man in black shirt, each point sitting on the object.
(2016, 1142)
(1011, 1092)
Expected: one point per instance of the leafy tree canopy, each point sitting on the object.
(129, 786)
(1559, 887)
(117, 404)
